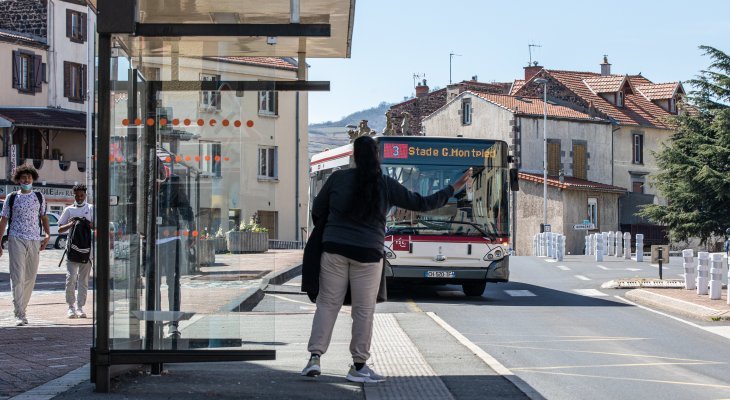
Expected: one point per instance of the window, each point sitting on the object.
(466, 112)
(28, 72)
(593, 211)
(269, 103)
(672, 105)
(637, 187)
(620, 99)
(210, 100)
(74, 82)
(553, 164)
(580, 165)
(267, 162)
(76, 26)
(638, 149)
(210, 158)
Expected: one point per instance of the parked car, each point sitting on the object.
(57, 241)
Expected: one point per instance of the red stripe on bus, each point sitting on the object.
(341, 155)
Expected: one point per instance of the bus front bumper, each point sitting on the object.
(498, 271)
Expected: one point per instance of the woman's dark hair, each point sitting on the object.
(22, 170)
(366, 201)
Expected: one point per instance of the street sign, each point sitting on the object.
(547, 227)
(584, 227)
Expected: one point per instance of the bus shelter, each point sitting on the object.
(190, 141)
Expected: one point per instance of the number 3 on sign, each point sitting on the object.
(395, 150)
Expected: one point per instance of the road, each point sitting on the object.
(558, 331)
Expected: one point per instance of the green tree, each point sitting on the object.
(695, 165)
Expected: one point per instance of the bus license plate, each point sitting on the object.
(440, 274)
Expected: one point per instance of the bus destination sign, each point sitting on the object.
(450, 153)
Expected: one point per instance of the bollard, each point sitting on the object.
(627, 246)
(561, 247)
(639, 247)
(604, 235)
(703, 272)
(716, 277)
(587, 245)
(619, 241)
(610, 246)
(689, 269)
(599, 247)
(544, 244)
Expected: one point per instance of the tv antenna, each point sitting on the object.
(451, 57)
(418, 76)
(529, 49)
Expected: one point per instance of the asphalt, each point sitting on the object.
(49, 357)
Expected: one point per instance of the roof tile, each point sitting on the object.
(571, 183)
(533, 106)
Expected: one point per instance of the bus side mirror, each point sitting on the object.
(514, 180)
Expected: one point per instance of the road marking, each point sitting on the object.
(723, 331)
(563, 267)
(632, 379)
(520, 293)
(583, 278)
(488, 359)
(550, 260)
(633, 269)
(413, 306)
(590, 292)
(603, 268)
(648, 364)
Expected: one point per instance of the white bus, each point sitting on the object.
(465, 242)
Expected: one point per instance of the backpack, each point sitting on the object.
(78, 246)
(11, 202)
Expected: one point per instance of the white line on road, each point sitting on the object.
(603, 268)
(590, 292)
(563, 267)
(633, 269)
(583, 278)
(520, 293)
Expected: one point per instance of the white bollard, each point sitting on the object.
(716, 277)
(619, 249)
(627, 246)
(599, 248)
(604, 235)
(561, 247)
(639, 247)
(592, 244)
(587, 245)
(610, 247)
(703, 272)
(690, 277)
(544, 244)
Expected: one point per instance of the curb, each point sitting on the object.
(682, 307)
(251, 297)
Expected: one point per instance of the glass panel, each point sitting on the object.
(188, 239)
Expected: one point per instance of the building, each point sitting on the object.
(578, 189)
(43, 119)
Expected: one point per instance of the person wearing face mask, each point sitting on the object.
(77, 274)
(24, 213)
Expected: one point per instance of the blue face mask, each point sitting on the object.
(26, 187)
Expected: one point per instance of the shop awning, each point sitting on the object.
(43, 117)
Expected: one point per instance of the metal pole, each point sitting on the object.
(544, 156)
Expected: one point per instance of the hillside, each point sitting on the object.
(330, 134)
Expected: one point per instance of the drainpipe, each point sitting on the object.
(296, 171)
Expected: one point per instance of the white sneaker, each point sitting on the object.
(80, 313)
(71, 313)
(364, 374)
(19, 321)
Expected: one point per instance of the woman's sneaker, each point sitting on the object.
(71, 313)
(364, 374)
(312, 369)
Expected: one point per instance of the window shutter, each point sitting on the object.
(37, 74)
(66, 79)
(553, 159)
(16, 69)
(83, 27)
(69, 23)
(44, 72)
(641, 149)
(83, 94)
(579, 161)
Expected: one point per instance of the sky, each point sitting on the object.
(395, 39)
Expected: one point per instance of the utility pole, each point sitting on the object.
(451, 57)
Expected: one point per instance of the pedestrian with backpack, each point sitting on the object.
(24, 214)
(77, 220)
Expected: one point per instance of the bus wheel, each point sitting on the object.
(474, 289)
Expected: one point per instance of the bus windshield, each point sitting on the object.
(480, 211)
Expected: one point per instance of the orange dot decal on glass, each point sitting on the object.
(187, 158)
(168, 159)
(163, 121)
(120, 159)
(138, 121)
(226, 158)
(207, 158)
(249, 123)
(178, 158)
(226, 122)
(195, 233)
(111, 157)
(176, 121)
(201, 122)
(217, 158)
(150, 121)
(185, 233)
(197, 158)
(212, 122)
(237, 124)
(125, 122)
(187, 121)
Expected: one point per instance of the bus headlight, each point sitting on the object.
(389, 254)
(494, 254)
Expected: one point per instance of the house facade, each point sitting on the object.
(578, 166)
(43, 104)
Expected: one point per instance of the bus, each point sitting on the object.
(466, 242)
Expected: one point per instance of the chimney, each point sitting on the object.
(605, 66)
(532, 70)
(421, 89)
(452, 91)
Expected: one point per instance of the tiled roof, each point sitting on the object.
(637, 109)
(659, 91)
(605, 84)
(269, 62)
(533, 106)
(571, 183)
(516, 86)
(6, 36)
(42, 117)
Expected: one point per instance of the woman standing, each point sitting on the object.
(354, 203)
